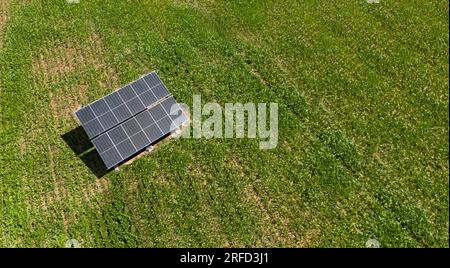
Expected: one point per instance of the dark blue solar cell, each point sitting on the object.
(144, 119)
(153, 133)
(135, 105)
(127, 93)
(170, 104)
(131, 127)
(126, 148)
(122, 113)
(85, 114)
(157, 112)
(140, 86)
(99, 107)
(108, 120)
(93, 128)
(148, 98)
(160, 91)
(117, 134)
(152, 80)
(113, 100)
(111, 158)
(140, 140)
(166, 125)
(102, 143)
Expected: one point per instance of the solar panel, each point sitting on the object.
(105, 113)
(138, 132)
(130, 119)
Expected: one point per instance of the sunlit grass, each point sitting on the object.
(363, 119)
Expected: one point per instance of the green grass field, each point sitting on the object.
(363, 123)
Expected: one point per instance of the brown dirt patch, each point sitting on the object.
(56, 61)
(5, 6)
(68, 71)
(91, 193)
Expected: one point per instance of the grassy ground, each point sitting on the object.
(363, 104)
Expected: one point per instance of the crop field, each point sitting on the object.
(362, 153)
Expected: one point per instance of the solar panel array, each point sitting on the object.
(130, 119)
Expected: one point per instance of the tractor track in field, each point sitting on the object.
(5, 7)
